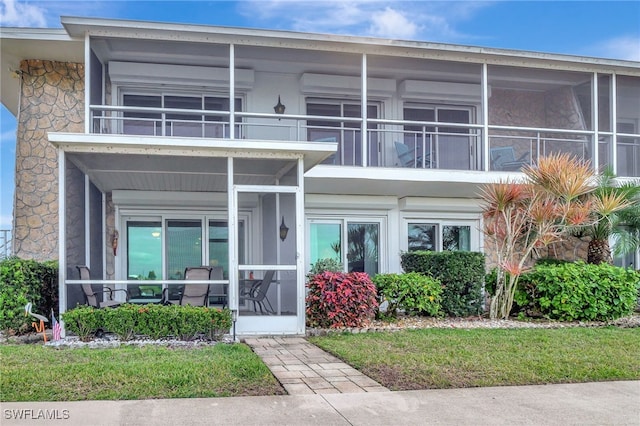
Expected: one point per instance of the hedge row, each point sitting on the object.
(153, 321)
(411, 293)
(578, 291)
(461, 274)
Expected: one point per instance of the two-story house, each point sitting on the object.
(144, 148)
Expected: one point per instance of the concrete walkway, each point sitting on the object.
(303, 368)
(605, 403)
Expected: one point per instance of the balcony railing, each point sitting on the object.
(5, 244)
(389, 143)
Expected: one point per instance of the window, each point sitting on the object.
(439, 146)
(438, 236)
(628, 149)
(346, 133)
(178, 123)
(184, 246)
(358, 252)
(149, 259)
(144, 257)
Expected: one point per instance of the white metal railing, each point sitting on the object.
(510, 148)
(154, 298)
(427, 144)
(6, 249)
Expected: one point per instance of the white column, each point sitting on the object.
(232, 92)
(363, 125)
(300, 247)
(485, 118)
(87, 83)
(614, 123)
(62, 252)
(594, 119)
(87, 218)
(232, 216)
(103, 214)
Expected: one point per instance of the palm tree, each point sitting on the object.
(617, 217)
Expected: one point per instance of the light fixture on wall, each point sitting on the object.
(279, 108)
(283, 230)
(155, 234)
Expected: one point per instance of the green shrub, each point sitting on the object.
(23, 281)
(340, 299)
(84, 321)
(121, 321)
(322, 265)
(522, 302)
(461, 274)
(154, 321)
(580, 291)
(545, 261)
(410, 292)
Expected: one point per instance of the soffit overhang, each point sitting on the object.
(18, 44)
(400, 182)
(184, 164)
(78, 27)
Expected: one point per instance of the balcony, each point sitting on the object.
(423, 113)
(403, 144)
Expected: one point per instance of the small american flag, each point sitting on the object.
(55, 327)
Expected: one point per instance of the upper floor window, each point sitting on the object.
(347, 133)
(434, 146)
(179, 122)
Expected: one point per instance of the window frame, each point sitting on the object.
(240, 105)
(344, 221)
(440, 222)
(342, 128)
(431, 142)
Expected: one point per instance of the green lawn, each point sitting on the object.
(418, 359)
(444, 358)
(38, 373)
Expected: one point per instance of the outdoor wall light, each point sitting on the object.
(283, 230)
(279, 108)
(155, 234)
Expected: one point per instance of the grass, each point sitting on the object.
(444, 358)
(417, 359)
(39, 373)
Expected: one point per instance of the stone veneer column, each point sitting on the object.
(52, 100)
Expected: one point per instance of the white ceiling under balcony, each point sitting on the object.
(298, 61)
(400, 182)
(116, 162)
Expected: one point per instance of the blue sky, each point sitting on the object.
(609, 29)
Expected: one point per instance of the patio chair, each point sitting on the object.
(504, 159)
(218, 292)
(407, 156)
(258, 293)
(196, 294)
(91, 296)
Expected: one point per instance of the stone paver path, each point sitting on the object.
(303, 368)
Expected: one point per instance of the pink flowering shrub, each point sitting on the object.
(339, 299)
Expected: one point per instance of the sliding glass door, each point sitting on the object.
(161, 248)
(144, 257)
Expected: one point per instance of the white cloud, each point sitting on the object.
(392, 24)
(624, 47)
(18, 14)
(47, 13)
(413, 20)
